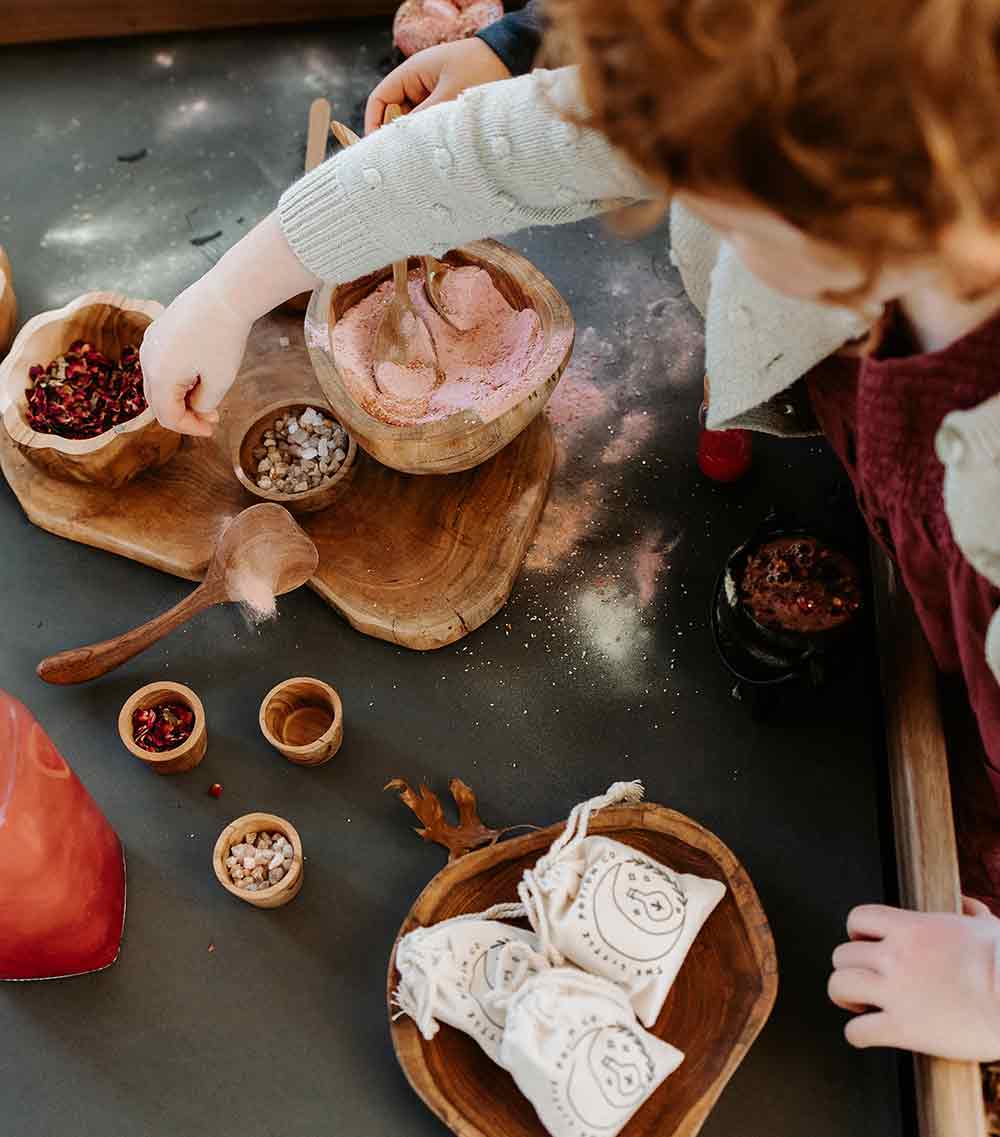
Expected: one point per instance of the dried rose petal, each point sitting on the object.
(82, 393)
(163, 727)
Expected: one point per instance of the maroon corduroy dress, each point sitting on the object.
(881, 414)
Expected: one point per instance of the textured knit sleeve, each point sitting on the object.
(516, 38)
(968, 444)
(499, 159)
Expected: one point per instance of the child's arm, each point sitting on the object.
(500, 159)
(928, 982)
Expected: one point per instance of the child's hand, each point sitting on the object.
(928, 982)
(435, 75)
(190, 356)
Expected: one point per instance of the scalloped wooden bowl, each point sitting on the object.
(716, 1008)
(461, 440)
(8, 305)
(309, 501)
(110, 321)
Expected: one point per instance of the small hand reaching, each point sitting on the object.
(433, 76)
(190, 357)
(927, 982)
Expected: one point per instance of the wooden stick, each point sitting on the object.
(949, 1094)
(319, 124)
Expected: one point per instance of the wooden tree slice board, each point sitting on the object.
(716, 1008)
(418, 561)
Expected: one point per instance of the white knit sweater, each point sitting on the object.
(502, 158)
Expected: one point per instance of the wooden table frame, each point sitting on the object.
(949, 1094)
(36, 21)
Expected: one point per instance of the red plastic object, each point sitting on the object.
(723, 455)
(62, 892)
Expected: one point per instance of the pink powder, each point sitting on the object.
(636, 429)
(485, 366)
(424, 23)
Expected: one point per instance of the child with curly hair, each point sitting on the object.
(833, 171)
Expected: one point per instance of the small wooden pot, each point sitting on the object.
(309, 501)
(278, 894)
(303, 719)
(461, 440)
(109, 321)
(8, 306)
(181, 758)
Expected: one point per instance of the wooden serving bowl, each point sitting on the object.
(719, 1003)
(303, 719)
(278, 894)
(8, 305)
(461, 440)
(181, 758)
(110, 321)
(309, 501)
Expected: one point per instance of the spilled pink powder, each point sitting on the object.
(636, 429)
(486, 365)
(649, 561)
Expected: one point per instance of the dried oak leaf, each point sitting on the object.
(470, 832)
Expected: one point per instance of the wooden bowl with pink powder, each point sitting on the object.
(500, 368)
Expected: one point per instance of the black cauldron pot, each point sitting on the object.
(767, 662)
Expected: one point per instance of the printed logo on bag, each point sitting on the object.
(604, 1075)
(479, 978)
(637, 911)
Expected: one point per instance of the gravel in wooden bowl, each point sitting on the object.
(253, 862)
(295, 454)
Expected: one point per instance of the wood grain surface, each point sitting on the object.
(716, 1008)
(949, 1094)
(417, 561)
(8, 304)
(33, 21)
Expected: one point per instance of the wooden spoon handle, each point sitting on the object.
(82, 663)
(319, 125)
(400, 274)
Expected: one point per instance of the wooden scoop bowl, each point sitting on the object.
(262, 541)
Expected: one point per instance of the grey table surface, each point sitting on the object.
(601, 667)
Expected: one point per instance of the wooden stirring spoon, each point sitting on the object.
(261, 554)
(405, 361)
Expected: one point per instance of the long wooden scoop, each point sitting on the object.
(262, 548)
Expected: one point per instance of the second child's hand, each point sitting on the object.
(436, 75)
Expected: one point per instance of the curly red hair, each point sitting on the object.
(871, 125)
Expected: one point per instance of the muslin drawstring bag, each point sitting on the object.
(614, 911)
(461, 971)
(573, 1046)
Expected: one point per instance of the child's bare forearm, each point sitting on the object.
(260, 272)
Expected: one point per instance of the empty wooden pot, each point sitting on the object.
(110, 322)
(180, 758)
(277, 894)
(309, 501)
(463, 439)
(303, 719)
